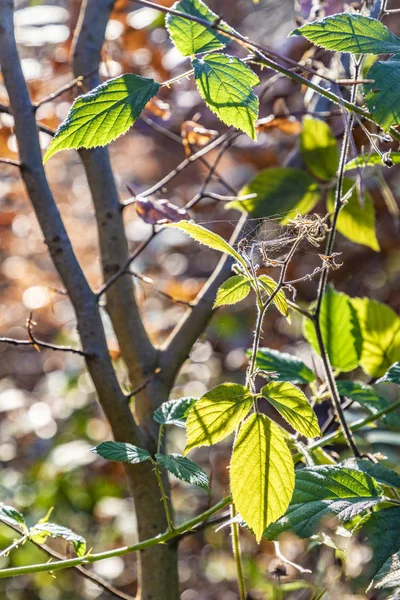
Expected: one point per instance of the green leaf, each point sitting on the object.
(392, 375)
(174, 412)
(352, 33)
(287, 367)
(233, 290)
(371, 160)
(102, 115)
(340, 331)
(388, 576)
(279, 300)
(380, 328)
(358, 391)
(190, 37)
(382, 96)
(11, 515)
(280, 191)
(184, 469)
(368, 397)
(294, 407)
(225, 83)
(261, 473)
(41, 531)
(217, 414)
(382, 532)
(356, 222)
(208, 238)
(318, 148)
(121, 452)
(323, 492)
(379, 472)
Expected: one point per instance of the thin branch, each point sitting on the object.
(68, 86)
(136, 348)
(35, 342)
(161, 292)
(11, 162)
(183, 165)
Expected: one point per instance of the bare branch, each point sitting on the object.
(136, 348)
(84, 301)
(41, 344)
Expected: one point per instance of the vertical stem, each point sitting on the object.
(334, 391)
(164, 498)
(237, 555)
(324, 276)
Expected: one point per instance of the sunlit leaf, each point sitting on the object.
(261, 473)
(102, 115)
(280, 191)
(270, 285)
(354, 33)
(225, 84)
(318, 148)
(217, 414)
(121, 452)
(294, 407)
(382, 96)
(356, 222)
(380, 327)
(208, 238)
(185, 469)
(233, 290)
(340, 331)
(322, 492)
(190, 37)
(41, 531)
(174, 412)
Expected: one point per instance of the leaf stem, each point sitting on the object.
(237, 554)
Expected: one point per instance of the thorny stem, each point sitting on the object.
(334, 391)
(260, 52)
(324, 277)
(237, 554)
(188, 525)
(164, 497)
(91, 558)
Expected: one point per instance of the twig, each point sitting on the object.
(41, 344)
(64, 88)
(143, 385)
(11, 162)
(151, 282)
(283, 558)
